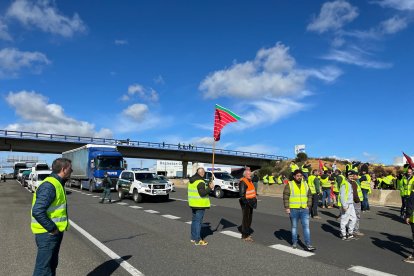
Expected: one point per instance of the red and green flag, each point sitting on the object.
(222, 117)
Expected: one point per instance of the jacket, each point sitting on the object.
(107, 182)
(202, 189)
(252, 202)
(45, 195)
(286, 196)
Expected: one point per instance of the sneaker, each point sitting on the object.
(317, 217)
(192, 241)
(248, 239)
(329, 207)
(201, 242)
(359, 234)
(409, 259)
(294, 246)
(323, 207)
(310, 248)
(351, 237)
(343, 238)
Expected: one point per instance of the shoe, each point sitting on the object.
(343, 238)
(317, 217)
(409, 259)
(351, 237)
(323, 207)
(201, 242)
(310, 248)
(294, 246)
(248, 239)
(359, 234)
(110, 201)
(192, 241)
(329, 207)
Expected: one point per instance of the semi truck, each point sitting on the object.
(17, 166)
(89, 164)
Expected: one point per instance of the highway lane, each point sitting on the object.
(159, 245)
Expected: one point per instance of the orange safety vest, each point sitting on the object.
(251, 191)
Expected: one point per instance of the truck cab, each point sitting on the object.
(224, 183)
(140, 184)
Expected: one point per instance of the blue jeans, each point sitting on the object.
(326, 194)
(47, 253)
(303, 216)
(196, 223)
(365, 203)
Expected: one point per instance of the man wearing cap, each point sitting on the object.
(297, 199)
(346, 202)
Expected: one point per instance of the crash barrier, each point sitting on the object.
(377, 197)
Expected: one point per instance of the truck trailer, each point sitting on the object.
(89, 164)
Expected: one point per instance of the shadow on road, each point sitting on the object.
(326, 213)
(126, 238)
(108, 267)
(390, 215)
(286, 235)
(396, 244)
(330, 229)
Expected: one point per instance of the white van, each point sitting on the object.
(36, 178)
(40, 166)
(223, 183)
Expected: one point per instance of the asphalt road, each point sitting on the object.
(154, 238)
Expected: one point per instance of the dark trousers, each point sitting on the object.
(106, 194)
(247, 212)
(47, 254)
(314, 208)
(403, 204)
(365, 202)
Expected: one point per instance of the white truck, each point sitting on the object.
(140, 184)
(36, 178)
(223, 183)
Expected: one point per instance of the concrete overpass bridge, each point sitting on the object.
(56, 143)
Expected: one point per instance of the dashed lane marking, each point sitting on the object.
(151, 211)
(135, 207)
(188, 222)
(170, 217)
(232, 234)
(115, 257)
(122, 203)
(368, 271)
(290, 250)
(180, 199)
(95, 196)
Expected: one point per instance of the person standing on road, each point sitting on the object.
(365, 181)
(255, 180)
(409, 219)
(314, 186)
(106, 184)
(297, 199)
(199, 201)
(346, 202)
(49, 217)
(248, 202)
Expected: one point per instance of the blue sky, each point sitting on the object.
(333, 75)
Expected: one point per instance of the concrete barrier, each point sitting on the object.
(377, 197)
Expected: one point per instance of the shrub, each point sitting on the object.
(301, 157)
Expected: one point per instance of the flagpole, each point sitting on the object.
(212, 163)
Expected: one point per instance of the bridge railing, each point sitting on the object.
(130, 143)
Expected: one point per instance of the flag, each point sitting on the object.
(321, 166)
(409, 160)
(222, 117)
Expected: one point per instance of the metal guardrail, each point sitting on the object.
(130, 143)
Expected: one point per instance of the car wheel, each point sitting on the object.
(121, 194)
(81, 186)
(218, 192)
(92, 186)
(137, 196)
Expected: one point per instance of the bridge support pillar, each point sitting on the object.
(185, 165)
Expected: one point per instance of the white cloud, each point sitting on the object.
(258, 148)
(393, 25)
(272, 73)
(4, 32)
(371, 158)
(121, 42)
(355, 56)
(333, 16)
(203, 141)
(403, 5)
(136, 111)
(44, 15)
(38, 115)
(12, 61)
(147, 94)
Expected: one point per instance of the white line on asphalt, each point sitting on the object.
(135, 207)
(95, 196)
(84, 193)
(151, 211)
(179, 199)
(170, 217)
(122, 203)
(231, 234)
(368, 271)
(290, 250)
(127, 266)
(188, 222)
(88, 194)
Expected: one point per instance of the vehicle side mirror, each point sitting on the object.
(92, 164)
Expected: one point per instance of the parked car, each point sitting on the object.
(36, 178)
(163, 177)
(20, 173)
(24, 177)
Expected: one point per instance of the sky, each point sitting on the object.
(335, 76)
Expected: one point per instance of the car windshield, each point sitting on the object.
(109, 163)
(223, 176)
(146, 176)
(42, 176)
(42, 167)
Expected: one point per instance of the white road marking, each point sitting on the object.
(170, 217)
(202, 225)
(288, 249)
(188, 222)
(179, 199)
(151, 211)
(232, 234)
(95, 196)
(368, 271)
(135, 207)
(84, 193)
(127, 266)
(122, 203)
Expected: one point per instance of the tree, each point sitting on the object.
(301, 157)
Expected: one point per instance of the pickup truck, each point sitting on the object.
(223, 183)
(140, 184)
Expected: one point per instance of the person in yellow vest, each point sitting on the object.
(198, 200)
(314, 186)
(293, 167)
(297, 199)
(248, 202)
(272, 179)
(326, 190)
(346, 202)
(279, 179)
(405, 190)
(50, 217)
(409, 219)
(306, 167)
(265, 179)
(365, 181)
